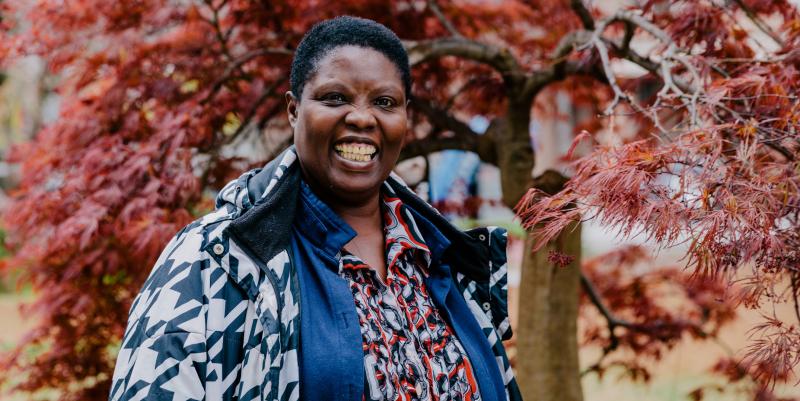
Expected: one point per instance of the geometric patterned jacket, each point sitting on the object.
(218, 317)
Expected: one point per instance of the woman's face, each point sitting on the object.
(350, 123)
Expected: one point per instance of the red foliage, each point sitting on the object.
(722, 179)
(648, 310)
(559, 259)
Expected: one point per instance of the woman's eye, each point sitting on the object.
(334, 98)
(385, 102)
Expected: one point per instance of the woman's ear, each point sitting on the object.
(291, 107)
(408, 119)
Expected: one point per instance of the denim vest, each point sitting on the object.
(331, 358)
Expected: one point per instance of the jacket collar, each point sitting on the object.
(329, 233)
(326, 231)
(264, 228)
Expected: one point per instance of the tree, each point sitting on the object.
(715, 168)
(158, 94)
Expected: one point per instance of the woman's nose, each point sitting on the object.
(360, 118)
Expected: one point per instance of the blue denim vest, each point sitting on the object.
(331, 359)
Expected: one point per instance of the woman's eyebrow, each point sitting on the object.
(331, 85)
(394, 90)
(388, 88)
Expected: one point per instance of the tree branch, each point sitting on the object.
(237, 63)
(602, 50)
(214, 22)
(583, 14)
(766, 142)
(760, 24)
(794, 279)
(430, 144)
(561, 66)
(630, 29)
(637, 20)
(442, 118)
(464, 138)
(594, 296)
(500, 59)
(269, 92)
(582, 38)
(434, 7)
(780, 149)
(687, 92)
(634, 57)
(614, 321)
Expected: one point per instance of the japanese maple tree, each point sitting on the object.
(714, 168)
(157, 97)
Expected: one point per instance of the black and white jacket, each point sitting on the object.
(218, 317)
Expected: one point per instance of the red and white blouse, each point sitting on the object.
(410, 353)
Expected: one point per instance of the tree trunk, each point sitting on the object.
(547, 348)
(547, 343)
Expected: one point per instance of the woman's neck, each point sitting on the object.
(364, 218)
(362, 213)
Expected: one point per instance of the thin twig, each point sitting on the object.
(237, 63)
(760, 24)
(214, 22)
(619, 94)
(269, 92)
(794, 281)
(594, 296)
(443, 19)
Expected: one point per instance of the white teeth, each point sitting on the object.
(359, 152)
(357, 148)
(355, 157)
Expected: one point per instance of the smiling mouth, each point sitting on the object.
(357, 152)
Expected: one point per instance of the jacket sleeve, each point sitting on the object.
(168, 366)
(163, 352)
(489, 295)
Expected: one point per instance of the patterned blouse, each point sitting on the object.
(410, 353)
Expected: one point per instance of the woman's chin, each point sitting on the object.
(357, 189)
(346, 185)
(355, 177)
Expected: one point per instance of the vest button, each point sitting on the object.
(219, 249)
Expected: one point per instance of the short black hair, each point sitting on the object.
(327, 35)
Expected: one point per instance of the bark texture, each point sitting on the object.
(547, 343)
(547, 349)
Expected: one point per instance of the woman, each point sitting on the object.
(321, 276)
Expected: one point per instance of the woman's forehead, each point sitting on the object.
(356, 63)
(352, 50)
